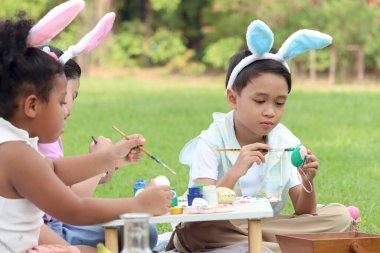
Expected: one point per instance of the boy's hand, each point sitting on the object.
(249, 154)
(155, 199)
(310, 167)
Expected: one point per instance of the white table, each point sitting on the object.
(253, 212)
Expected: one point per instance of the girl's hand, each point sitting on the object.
(249, 154)
(155, 199)
(107, 177)
(126, 152)
(136, 154)
(310, 167)
(102, 143)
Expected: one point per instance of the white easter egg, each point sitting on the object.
(162, 180)
(199, 202)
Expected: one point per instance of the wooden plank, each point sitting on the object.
(111, 239)
(349, 242)
(254, 236)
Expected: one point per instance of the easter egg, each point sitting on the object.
(225, 195)
(161, 180)
(354, 212)
(299, 156)
(199, 202)
(138, 191)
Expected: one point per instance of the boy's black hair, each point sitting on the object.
(23, 70)
(71, 68)
(255, 69)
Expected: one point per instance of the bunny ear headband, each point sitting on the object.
(260, 41)
(61, 16)
(91, 40)
(54, 22)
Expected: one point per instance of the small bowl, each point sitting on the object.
(176, 210)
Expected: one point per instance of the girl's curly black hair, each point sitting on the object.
(23, 70)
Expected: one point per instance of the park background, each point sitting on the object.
(161, 74)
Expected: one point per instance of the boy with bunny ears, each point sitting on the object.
(257, 86)
(33, 88)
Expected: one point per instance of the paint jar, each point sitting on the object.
(139, 184)
(174, 198)
(136, 233)
(210, 195)
(193, 192)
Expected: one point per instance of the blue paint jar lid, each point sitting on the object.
(194, 191)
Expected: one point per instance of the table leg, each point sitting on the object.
(111, 239)
(254, 236)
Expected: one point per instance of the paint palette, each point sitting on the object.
(221, 208)
(248, 200)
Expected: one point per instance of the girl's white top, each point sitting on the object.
(20, 219)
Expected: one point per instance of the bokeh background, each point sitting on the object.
(161, 73)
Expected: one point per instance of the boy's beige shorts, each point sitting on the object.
(197, 236)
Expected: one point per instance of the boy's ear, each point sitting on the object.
(231, 98)
(31, 106)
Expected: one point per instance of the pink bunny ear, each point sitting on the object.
(91, 39)
(54, 22)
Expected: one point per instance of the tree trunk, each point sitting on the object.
(332, 69)
(102, 7)
(313, 66)
(94, 12)
(360, 64)
(148, 19)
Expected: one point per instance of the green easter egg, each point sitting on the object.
(296, 158)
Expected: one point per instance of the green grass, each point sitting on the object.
(340, 126)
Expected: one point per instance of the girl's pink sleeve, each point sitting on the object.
(52, 150)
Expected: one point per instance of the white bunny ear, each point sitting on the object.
(259, 37)
(301, 41)
(91, 39)
(54, 22)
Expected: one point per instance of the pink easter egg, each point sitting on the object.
(354, 212)
(303, 151)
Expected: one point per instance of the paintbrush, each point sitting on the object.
(261, 150)
(146, 152)
(96, 142)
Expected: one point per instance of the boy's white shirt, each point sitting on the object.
(20, 219)
(272, 179)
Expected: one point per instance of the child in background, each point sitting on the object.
(257, 86)
(32, 97)
(79, 235)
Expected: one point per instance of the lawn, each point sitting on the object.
(338, 125)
